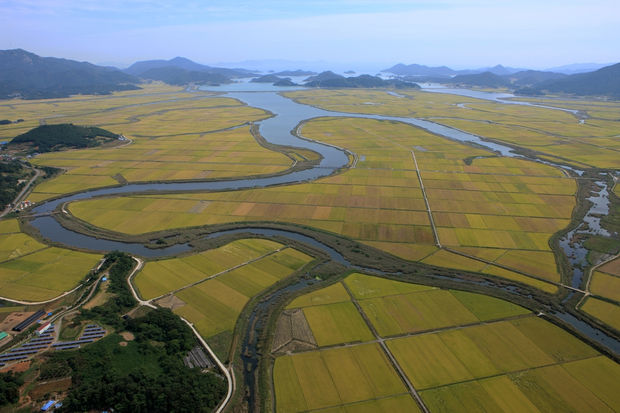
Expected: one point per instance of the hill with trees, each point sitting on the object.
(26, 75)
(267, 79)
(179, 77)
(602, 82)
(48, 138)
(298, 72)
(332, 80)
(486, 79)
(181, 71)
(145, 374)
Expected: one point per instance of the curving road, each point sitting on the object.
(228, 373)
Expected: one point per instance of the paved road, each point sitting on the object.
(37, 173)
(40, 302)
(228, 373)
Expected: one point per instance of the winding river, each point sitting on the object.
(277, 130)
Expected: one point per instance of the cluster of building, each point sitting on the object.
(23, 205)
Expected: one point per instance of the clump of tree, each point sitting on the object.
(48, 138)
(10, 174)
(9, 388)
(119, 265)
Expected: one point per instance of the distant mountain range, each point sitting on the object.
(444, 71)
(24, 74)
(602, 82)
(297, 72)
(575, 68)
(180, 71)
(29, 76)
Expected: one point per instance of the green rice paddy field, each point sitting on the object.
(460, 351)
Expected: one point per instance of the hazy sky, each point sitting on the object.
(458, 33)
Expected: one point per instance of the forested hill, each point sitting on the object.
(180, 71)
(602, 82)
(47, 138)
(24, 74)
(332, 80)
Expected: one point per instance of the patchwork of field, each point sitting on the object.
(589, 140)
(336, 377)
(487, 206)
(212, 288)
(162, 276)
(44, 273)
(538, 265)
(231, 153)
(460, 351)
(108, 107)
(162, 126)
(393, 308)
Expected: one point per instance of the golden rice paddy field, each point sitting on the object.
(605, 283)
(211, 288)
(162, 276)
(161, 125)
(14, 243)
(460, 351)
(498, 213)
(605, 280)
(605, 311)
(591, 142)
(43, 272)
(36, 112)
